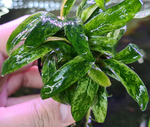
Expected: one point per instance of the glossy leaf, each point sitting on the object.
(44, 29)
(23, 56)
(117, 34)
(98, 76)
(88, 12)
(99, 106)
(74, 31)
(83, 97)
(65, 97)
(129, 54)
(113, 18)
(23, 30)
(68, 6)
(49, 67)
(103, 44)
(65, 76)
(62, 48)
(101, 4)
(83, 5)
(130, 81)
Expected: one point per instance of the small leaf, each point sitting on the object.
(98, 76)
(88, 12)
(65, 76)
(49, 67)
(63, 49)
(103, 44)
(113, 18)
(83, 5)
(74, 31)
(68, 6)
(99, 106)
(130, 81)
(129, 55)
(101, 4)
(23, 56)
(83, 97)
(65, 97)
(23, 30)
(44, 29)
(117, 34)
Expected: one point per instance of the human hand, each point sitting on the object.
(31, 110)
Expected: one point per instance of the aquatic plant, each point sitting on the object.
(79, 53)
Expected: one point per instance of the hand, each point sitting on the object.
(29, 110)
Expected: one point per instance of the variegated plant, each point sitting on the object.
(77, 53)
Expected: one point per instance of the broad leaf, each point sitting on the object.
(83, 97)
(23, 56)
(68, 6)
(49, 67)
(74, 31)
(83, 5)
(130, 81)
(103, 44)
(99, 106)
(23, 30)
(65, 76)
(44, 29)
(129, 54)
(113, 18)
(88, 12)
(98, 76)
(101, 4)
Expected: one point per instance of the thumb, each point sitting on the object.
(36, 113)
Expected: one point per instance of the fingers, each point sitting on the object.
(18, 100)
(29, 78)
(5, 31)
(36, 113)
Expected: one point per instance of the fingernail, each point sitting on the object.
(66, 116)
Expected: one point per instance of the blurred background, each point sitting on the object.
(122, 109)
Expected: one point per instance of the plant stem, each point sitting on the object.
(62, 7)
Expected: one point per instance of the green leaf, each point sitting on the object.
(130, 81)
(83, 97)
(22, 56)
(101, 4)
(65, 76)
(23, 30)
(103, 44)
(99, 106)
(68, 6)
(129, 55)
(83, 5)
(65, 97)
(113, 18)
(117, 34)
(62, 48)
(44, 29)
(49, 67)
(98, 76)
(88, 12)
(74, 31)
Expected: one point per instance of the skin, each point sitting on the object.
(27, 111)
